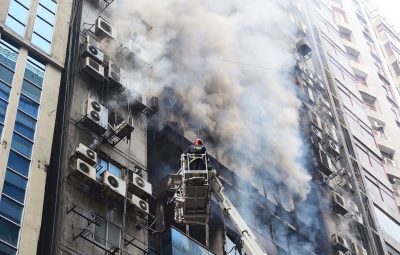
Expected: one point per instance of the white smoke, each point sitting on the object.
(222, 70)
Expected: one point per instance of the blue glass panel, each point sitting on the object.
(22, 145)
(18, 11)
(41, 43)
(6, 74)
(14, 186)
(8, 57)
(28, 106)
(179, 241)
(34, 73)
(30, 90)
(3, 109)
(45, 14)
(4, 91)
(15, 26)
(104, 167)
(9, 232)
(25, 125)
(6, 250)
(18, 163)
(43, 28)
(10, 209)
(25, 3)
(114, 169)
(49, 4)
(1, 129)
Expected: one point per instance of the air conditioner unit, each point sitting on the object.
(104, 29)
(339, 204)
(114, 183)
(358, 249)
(330, 131)
(139, 203)
(91, 50)
(326, 166)
(84, 169)
(316, 134)
(96, 117)
(86, 154)
(333, 149)
(139, 186)
(116, 77)
(339, 243)
(376, 126)
(92, 68)
(390, 162)
(315, 119)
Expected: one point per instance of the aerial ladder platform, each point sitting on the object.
(192, 195)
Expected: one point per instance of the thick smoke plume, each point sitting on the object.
(222, 71)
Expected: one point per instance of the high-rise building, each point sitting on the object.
(33, 45)
(317, 85)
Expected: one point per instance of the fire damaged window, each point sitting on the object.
(107, 234)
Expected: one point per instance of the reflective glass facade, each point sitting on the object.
(18, 166)
(44, 23)
(8, 61)
(18, 15)
(177, 243)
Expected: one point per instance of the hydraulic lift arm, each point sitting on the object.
(250, 245)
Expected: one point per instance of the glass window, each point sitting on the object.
(387, 224)
(7, 250)
(22, 145)
(45, 14)
(34, 72)
(17, 16)
(14, 186)
(9, 232)
(115, 170)
(1, 129)
(8, 55)
(18, 11)
(43, 28)
(28, 106)
(3, 108)
(114, 233)
(10, 209)
(18, 163)
(104, 167)
(6, 74)
(41, 43)
(50, 5)
(15, 25)
(4, 91)
(25, 125)
(100, 233)
(30, 90)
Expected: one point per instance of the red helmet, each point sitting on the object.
(198, 141)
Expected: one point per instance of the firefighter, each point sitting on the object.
(197, 155)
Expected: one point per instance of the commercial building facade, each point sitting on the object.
(33, 46)
(106, 179)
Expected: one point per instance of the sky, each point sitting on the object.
(390, 9)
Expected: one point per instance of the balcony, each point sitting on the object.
(383, 141)
(391, 168)
(343, 26)
(358, 69)
(351, 47)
